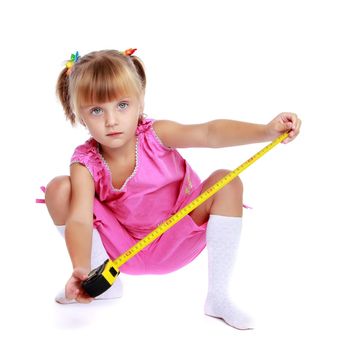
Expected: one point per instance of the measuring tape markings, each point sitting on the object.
(163, 227)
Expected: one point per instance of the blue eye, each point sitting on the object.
(96, 111)
(123, 105)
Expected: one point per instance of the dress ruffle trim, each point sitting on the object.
(144, 126)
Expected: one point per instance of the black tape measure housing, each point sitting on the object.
(96, 283)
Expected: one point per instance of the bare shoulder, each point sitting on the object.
(176, 135)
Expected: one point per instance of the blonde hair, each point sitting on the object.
(98, 77)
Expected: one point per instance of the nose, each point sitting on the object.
(111, 119)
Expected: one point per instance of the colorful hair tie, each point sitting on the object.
(73, 59)
(128, 52)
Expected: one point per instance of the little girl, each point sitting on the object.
(128, 178)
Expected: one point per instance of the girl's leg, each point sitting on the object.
(57, 198)
(223, 212)
(227, 202)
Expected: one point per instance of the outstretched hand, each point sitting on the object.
(282, 123)
(74, 290)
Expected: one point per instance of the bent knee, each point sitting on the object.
(57, 198)
(58, 189)
(236, 184)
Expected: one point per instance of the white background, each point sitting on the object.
(246, 60)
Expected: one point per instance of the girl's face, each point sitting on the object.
(112, 124)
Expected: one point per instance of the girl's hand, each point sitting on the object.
(282, 123)
(74, 289)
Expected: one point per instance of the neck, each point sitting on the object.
(120, 154)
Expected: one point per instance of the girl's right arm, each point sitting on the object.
(79, 227)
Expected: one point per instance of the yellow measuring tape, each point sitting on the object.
(163, 227)
(110, 269)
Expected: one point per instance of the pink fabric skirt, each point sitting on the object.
(174, 249)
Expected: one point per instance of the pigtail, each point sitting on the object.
(140, 70)
(62, 91)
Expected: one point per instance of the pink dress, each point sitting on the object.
(161, 184)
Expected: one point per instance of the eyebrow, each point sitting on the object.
(98, 104)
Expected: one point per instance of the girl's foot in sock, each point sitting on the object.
(223, 235)
(229, 312)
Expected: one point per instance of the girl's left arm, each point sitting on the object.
(225, 133)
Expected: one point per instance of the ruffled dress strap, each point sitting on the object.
(144, 126)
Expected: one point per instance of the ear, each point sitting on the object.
(81, 121)
(142, 104)
(78, 117)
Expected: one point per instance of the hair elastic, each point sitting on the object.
(73, 59)
(128, 52)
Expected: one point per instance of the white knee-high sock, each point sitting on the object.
(223, 236)
(98, 256)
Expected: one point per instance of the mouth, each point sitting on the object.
(114, 133)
